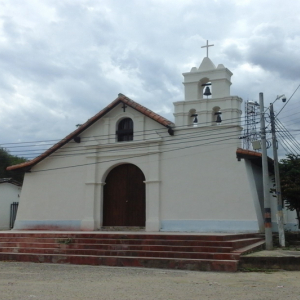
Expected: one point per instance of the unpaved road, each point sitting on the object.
(57, 282)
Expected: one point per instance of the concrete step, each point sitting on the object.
(130, 253)
(122, 228)
(250, 248)
(128, 236)
(174, 248)
(145, 262)
(237, 243)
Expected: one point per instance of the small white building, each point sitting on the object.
(10, 191)
(128, 166)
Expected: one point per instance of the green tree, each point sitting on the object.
(6, 159)
(290, 183)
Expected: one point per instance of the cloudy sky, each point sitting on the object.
(64, 60)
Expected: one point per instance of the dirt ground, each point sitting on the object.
(20, 281)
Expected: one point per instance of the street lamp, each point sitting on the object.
(267, 206)
(277, 175)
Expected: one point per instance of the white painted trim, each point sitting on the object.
(152, 181)
(177, 103)
(189, 127)
(254, 192)
(210, 225)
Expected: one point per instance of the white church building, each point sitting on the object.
(10, 191)
(130, 167)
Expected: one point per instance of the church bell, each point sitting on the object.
(219, 119)
(207, 91)
(195, 121)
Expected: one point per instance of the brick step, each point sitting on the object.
(145, 262)
(131, 236)
(173, 251)
(162, 254)
(118, 247)
(116, 241)
(238, 243)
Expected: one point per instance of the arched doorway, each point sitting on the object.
(124, 197)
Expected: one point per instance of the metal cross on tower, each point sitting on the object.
(207, 47)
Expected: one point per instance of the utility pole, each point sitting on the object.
(277, 180)
(267, 207)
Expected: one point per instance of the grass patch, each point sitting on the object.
(267, 271)
(65, 241)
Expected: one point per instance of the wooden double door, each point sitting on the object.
(124, 197)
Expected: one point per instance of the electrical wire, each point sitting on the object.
(288, 100)
(288, 135)
(285, 140)
(134, 156)
(169, 141)
(104, 136)
(27, 152)
(285, 146)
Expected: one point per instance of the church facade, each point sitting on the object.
(129, 167)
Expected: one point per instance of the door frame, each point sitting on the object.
(123, 210)
(99, 165)
(152, 189)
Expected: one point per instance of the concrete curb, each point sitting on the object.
(289, 263)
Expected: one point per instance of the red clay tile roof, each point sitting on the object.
(10, 180)
(121, 99)
(254, 156)
(244, 152)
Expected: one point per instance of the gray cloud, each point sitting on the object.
(63, 61)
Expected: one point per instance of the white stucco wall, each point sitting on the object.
(199, 186)
(64, 191)
(289, 219)
(9, 193)
(230, 107)
(206, 184)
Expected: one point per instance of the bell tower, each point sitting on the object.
(207, 95)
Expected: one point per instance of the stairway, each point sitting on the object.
(204, 252)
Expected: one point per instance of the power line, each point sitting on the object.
(168, 141)
(296, 113)
(162, 129)
(285, 146)
(286, 141)
(289, 136)
(27, 152)
(135, 156)
(288, 100)
(128, 147)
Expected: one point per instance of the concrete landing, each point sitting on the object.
(277, 259)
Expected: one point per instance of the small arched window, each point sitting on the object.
(125, 130)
